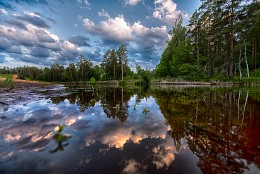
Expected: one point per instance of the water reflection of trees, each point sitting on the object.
(113, 100)
(83, 98)
(222, 127)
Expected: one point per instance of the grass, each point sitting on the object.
(6, 76)
(220, 79)
(251, 79)
(7, 83)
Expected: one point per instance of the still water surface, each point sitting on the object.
(115, 130)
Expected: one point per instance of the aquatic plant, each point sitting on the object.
(59, 128)
(60, 139)
(145, 110)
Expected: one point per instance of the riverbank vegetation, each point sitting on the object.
(220, 43)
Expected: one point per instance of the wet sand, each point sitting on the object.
(25, 91)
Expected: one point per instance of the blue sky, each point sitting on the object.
(42, 32)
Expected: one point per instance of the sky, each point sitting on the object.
(42, 32)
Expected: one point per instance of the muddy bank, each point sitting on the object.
(24, 92)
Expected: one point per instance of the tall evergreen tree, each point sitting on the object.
(122, 58)
(84, 66)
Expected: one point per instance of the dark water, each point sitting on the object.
(110, 130)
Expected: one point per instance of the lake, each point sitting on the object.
(117, 130)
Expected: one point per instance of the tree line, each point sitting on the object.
(114, 66)
(221, 40)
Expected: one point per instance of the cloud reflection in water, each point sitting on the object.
(139, 144)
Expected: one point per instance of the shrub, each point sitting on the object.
(256, 73)
(92, 80)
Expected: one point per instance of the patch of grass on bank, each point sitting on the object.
(244, 80)
(218, 79)
(6, 76)
(251, 79)
(7, 83)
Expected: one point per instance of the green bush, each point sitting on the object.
(122, 82)
(256, 73)
(92, 80)
(27, 79)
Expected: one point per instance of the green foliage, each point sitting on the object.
(145, 80)
(145, 110)
(7, 83)
(256, 73)
(6, 76)
(163, 68)
(214, 43)
(143, 76)
(122, 59)
(122, 82)
(251, 79)
(60, 138)
(176, 60)
(92, 80)
(115, 64)
(84, 68)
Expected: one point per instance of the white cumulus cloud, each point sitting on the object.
(27, 36)
(166, 10)
(132, 2)
(113, 29)
(143, 42)
(3, 12)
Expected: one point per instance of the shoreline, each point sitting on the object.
(23, 92)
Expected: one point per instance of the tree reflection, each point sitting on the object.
(83, 98)
(115, 103)
(221, 126)
(86, 99)
(113, 100)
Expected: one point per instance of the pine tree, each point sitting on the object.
(122, 58)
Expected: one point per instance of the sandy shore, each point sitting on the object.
(25, 91)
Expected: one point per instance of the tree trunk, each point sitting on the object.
(198, 53)
(238, 106)
(215, 33)
(231, 41)
(209, 58)
(208, 44)
(239, 64)
(114, 71)
(244, 109)
(122, 71)
(254, 52)
(82, 74)
(247, 68)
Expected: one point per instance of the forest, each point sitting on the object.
(221, 42)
